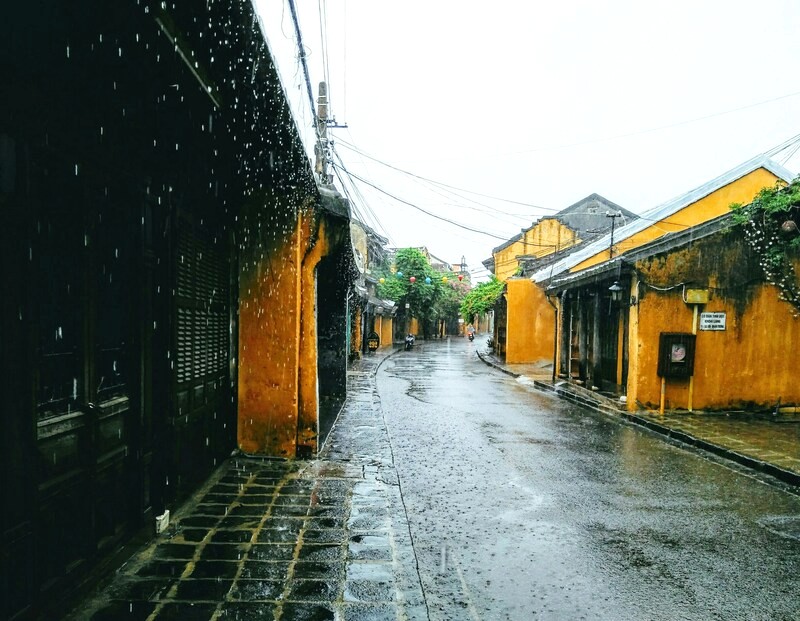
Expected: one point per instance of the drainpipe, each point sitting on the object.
(555, 336)
(691, 377)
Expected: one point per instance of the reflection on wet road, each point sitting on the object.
(523, 506)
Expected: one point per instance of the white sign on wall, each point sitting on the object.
(712, 321)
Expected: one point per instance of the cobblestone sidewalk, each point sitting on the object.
(290, 541)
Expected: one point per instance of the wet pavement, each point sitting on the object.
(524, 506)
(766, 442)
(318, 540)
(448, 491)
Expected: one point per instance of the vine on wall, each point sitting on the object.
(770, 225)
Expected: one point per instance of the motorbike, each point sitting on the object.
(471, 336)
(409, 341)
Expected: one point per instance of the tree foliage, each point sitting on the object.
(428, 301)
(482, 298)
(770, 225)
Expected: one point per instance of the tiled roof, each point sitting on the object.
(661, 212)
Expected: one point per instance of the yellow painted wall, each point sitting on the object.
(750, 364)
(308, 399)
(505, 261)
(545, 237)
(269, 340)
(358, 237)
(413, 327)
(530, 323)
(384, 327)
(278, 348)
(549, 236)
(356, 338)
(743, 190)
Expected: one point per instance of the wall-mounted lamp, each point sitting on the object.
(379, 310)
(616, 291)
(789, 228)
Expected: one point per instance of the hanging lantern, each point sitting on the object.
(427, 280)
(381, 280)
(399, 274)
(413, 279)
(461, 277)
(444, 278)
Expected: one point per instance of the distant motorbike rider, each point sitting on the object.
(471, 332)
(409, 341)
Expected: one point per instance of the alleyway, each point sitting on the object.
(451, 491)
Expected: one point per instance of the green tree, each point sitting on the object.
(447, 307)
(482, 298)
(427, 296)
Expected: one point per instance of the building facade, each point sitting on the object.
(620, 310)
(166, 256)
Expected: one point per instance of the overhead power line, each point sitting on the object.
(352, 147)
(417, 207)
(302, 53)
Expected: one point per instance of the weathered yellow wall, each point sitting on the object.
(356, 337)
(308, 401)
(750, 364)
(743, 190)
(545, 237)
(413, 327)
(747, 364)
(530, 323)
(358, 237)
(549, 236)
(269, 338)
(278, 347)
(505, 261)
(385, 330)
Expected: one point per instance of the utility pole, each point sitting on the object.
(321, 148)
(613, 215)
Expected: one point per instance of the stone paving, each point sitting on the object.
(289, 541)
(769, 439)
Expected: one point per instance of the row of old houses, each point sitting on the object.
(176, 282)
(670, 309)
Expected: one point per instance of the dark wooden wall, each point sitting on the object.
(120, 179)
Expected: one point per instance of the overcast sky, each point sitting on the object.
(541, 103)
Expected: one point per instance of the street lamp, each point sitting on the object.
(616, 291)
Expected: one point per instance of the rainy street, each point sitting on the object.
(523, 506)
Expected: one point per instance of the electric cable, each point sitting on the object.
(352, 147)
(417, 207)
(357, 191)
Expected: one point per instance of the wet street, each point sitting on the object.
(523, 506)
(451, 491)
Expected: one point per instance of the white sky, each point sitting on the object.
(538, 102)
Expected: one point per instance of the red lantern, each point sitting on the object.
(413, 279)
(461, 276)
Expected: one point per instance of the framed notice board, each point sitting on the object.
(676, 354)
